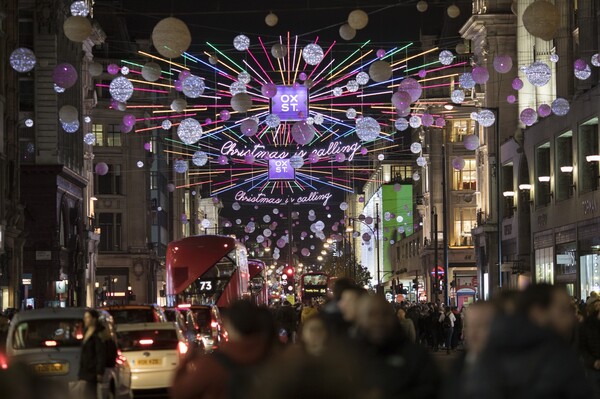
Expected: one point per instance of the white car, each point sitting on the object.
(154, 351)
(49, 341)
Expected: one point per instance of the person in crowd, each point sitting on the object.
(589, 346)
(477, 326)
(287, 322)
(229, 372)
(391, 366)
(314, 336)
(407, 325)
(92, 360)
(433, 327)
(309, 309)
(447, 320)
(457, 333)
(527, 355)
(331, 310)
(348, 306)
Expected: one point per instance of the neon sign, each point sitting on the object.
(290, 103)
(259, 151)
(280, 169)
(262, 198)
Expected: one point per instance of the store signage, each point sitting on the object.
(280, 169)
(259, 151)
(26, 279)
(589, 206)
(262, 198)
(290, 103)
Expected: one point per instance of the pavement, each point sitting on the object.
(445, 361)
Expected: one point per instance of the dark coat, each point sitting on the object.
(589, 341)
(526, 361)
(93, 358)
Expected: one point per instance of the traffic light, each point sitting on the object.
(415, 284)
(288, 281)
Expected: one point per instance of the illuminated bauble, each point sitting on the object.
(80, 8)
(121, 89)
(466, 81)
(89, 138)
(68, 114)
(347, 32)
(170, 187)
(95, 69)
(151, 71)
(352, 86)
(350, 113)
(486, 118)
(474, 116)
(358, 19)
(458, 163)
(480, 75)
(22, 60)
(312, 54)
(189, 131)
(305, 252)
(541, 19)
(422, 6)
(121, 106)
(461, 48)
(77, 28)
(401, 124)
(554, 58)
(583, 74)
(112, 69)
(362, 78)
(503, 63)
(401, 100)
(140, 164)
(273, 120)
(343, 206)
(279, 51)
(426, 120)
(178, 105)
(560, 107)
(166, 124)
(241, 42)
(319, 119)
(453, 11)
(367, 128)
(296, 161)
(446, 57)
(440, 122)
(124, 70)
(471, 142)
(241, 102)
(302, 132)
(414, 121)
(171, 37)
(457, 96)
(517, 84)
(237, 87)
(224, 115)
(412, 87)
(596, 60)
(193, 86)
(244, 77)
(64, 75)
(380, 71)
(544, 110)
(528, 116)
(70, 127)
(125, 128)
(180, 166)
(249, 127)
(29, 122)
(341, 157)
(128, 120)
(366, 237)
(269, 90)
(101, 168)
(249, 158)
(421, 161)
(222, 160)
(200, 158)
(271, 19)
(337, 91)
(538, 74)
(313, 157)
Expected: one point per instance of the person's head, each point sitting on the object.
(478, 321)
(90, 318)
(243, 319)
(548, 306)
(506, 302)
(375, 318)
(401, 314)
(348, 302)
(314, 335)
(339, 286)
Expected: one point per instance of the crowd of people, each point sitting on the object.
(531, 344)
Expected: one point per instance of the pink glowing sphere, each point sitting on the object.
(224, 115)
(64, 75)
(269, 90)
(113, 69)
(178, 85)
(426, 120)
(401, 100)
(101, 168)
(222, 160)
(129, 120)
(125, 129)
(170, 187)
(511, 99)
(341, 157)
(364, 151)
(528, 116)
(579, 64)
(380, 53)
(422, 73)
(249, 127)
(517, 84)
(147, 146)
(302, 76)
(313, 158)
(440, 122)
(503, 63)
(184, 75)
(207, 121)
(544, 110)
(249, 158)
(480, 75)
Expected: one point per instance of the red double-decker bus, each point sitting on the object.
(314, 285)
(258, 281)
(206, 269)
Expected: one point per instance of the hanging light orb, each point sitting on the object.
(380, 71)
(412, 87)
(313, 157)
(68, 114)
(422, 6)
(458, 163)
(416, 176)
(200, 158)
(312, 54)
(29, 122)
(421, 161)
(358, 19)
(237, 87)
(541, 19)
(79, 8)
(461, 48)
(22, 60)
(583, 74)
(341, 157)
(249, 127)
(362, 78)
(347, 32)
(193, 86)
(151, 71)
(273, 120)
(401, 124)
(129, 120)
(269, 90)
(486, 118)
(95, 69)
(189, 131)
(528, 116)
(178, 105)
(64, 75)
(112, 69)
(517, 84)
(166, 124)
(337, 91)
(544, 110)
(538, 74)
(244, 77)
(440, 122)
(101, 168)
(249, 158)
(222, 160)
(480, 75)
(367, 129)
(77, 28)
(180, 166)
(596, 60)
(70, 127)
(89, 138)
(453, 11)
(466, 80)
(401, 100)
(171, 37)
(446, 57)
(350, 113)
(121, 89)
(302, 132)
(296, 161)
(352, 86)
(241, 102)
(343, 206)
(457, 96)
(319, 119)
(414, 121)
(224, 115)
(560, 107)
(271, 19)
(279, 51)
(241, 42)
(471, 142)
(426, 119)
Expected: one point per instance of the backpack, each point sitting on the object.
(447, 322)
(242, 379)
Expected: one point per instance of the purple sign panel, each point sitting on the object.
(280, 169)
(290, 103)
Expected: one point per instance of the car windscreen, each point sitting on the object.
(45, 333)
(147, 340)
(203, 318)
(124, 316)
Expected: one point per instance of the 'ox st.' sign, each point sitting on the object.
(290, 103)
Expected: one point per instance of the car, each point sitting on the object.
(128, 314)
(154, 351)
(206, 323)
(49, 341)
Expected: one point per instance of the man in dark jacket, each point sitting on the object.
(526, 356)
(589, 346)
(92, 361)
(392, 367)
